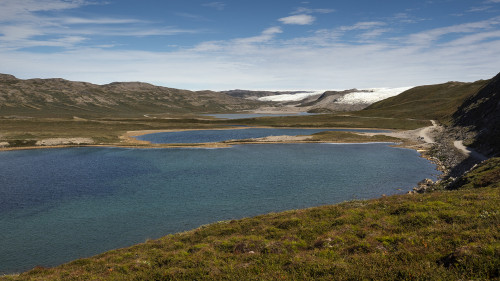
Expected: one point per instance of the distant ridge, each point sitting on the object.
(58, 97)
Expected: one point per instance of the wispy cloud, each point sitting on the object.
(322, 59)
(302, 19)
(265, 36)
(192, 16)
(363, 25)
(479, 9)
(475, 38)
(406, 18)
(429, 36)
(74, 20)
(303, 10)
(22, 25)
(374, 33)
(15, 10)
(216, 5)
(243, 44)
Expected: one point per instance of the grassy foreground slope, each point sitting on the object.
(445, 235)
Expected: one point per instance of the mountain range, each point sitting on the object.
(62, 98)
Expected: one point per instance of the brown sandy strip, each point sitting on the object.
(129, 140)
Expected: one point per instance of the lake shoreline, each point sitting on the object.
(129, 140)
(409, 139)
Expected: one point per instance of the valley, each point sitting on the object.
(318, 242)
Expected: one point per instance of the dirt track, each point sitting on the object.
(468, 151)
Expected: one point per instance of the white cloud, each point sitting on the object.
(298, 19)
(15, 10)
(192, 16)
(475, 38)
(426, 38)
(406, 18)
(323, 60)
(303, 10)
(479, 9)
(98, 21)
(374, 33)
(216, 5)
(254, 64)
(363, 25)
(22, 26)
(265, 36)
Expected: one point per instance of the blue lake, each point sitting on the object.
(201, 136)
(255, 115)
(57, 205)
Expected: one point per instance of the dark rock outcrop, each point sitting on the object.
(480, 115)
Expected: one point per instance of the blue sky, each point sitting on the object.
(252, 44)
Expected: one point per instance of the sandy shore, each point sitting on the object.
(420, 135)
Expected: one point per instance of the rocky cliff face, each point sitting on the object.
(480, 115)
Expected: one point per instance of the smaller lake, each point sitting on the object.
(255, 115)
(204, 136)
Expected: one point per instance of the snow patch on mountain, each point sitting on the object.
(291, 97)
(364, 96)
(371, 95)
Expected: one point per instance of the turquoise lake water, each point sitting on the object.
(201, 136)
(57, 205)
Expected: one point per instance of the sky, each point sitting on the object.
(252, 44)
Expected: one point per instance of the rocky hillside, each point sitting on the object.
(254, 95)
(59, 97)
(480, 115)
(330, 101)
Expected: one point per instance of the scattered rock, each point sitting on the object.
(423, 186)
(64, 141)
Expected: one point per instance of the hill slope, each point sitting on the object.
(59, 98)
(436, 102)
